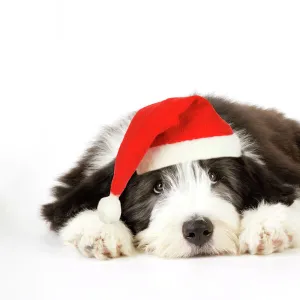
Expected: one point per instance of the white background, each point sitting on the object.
(67, 67)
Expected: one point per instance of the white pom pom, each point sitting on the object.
(109, 209)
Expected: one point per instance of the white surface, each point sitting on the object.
(66, 67)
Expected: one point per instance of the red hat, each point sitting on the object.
(166, 133)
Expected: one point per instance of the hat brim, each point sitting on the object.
(199, 149)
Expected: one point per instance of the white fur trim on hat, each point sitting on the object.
(198, 149)
(109, 209)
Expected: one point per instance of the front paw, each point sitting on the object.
(265, 240)
(264, 231)
(95, 239)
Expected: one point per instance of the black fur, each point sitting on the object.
(84, 195)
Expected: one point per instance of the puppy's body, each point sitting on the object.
(250, 203)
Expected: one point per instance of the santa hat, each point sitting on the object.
(166, 133)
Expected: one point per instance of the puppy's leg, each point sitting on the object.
(95, 239)
(270, 228)
(74, 216)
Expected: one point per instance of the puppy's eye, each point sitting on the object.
(213, 176)
(158, 187)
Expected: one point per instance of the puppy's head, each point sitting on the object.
(192, 208)
(187, 209)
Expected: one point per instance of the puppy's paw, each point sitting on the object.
(265, 239)
(264, 230)
(111, 241)
(95, 239)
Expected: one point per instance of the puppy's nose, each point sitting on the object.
(197, 232)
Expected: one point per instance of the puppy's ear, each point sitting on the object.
(265, 185)
(85, 195)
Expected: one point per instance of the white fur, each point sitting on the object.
(95, 239)
(61, 184)
(270, 228)
(191, 195)
(111, 138)
(249, 147)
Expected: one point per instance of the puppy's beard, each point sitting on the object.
(224, 239)
(169, 242)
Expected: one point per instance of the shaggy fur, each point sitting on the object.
(252, 201)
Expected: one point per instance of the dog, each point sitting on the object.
(230, 205)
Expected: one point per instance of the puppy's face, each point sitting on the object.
(187, 209)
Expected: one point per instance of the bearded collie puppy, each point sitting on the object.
(249, 204)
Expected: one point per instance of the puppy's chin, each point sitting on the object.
(169, 243)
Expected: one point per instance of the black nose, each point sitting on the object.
(197, 232)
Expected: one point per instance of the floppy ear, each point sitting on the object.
(85, 195)
(262, 184)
